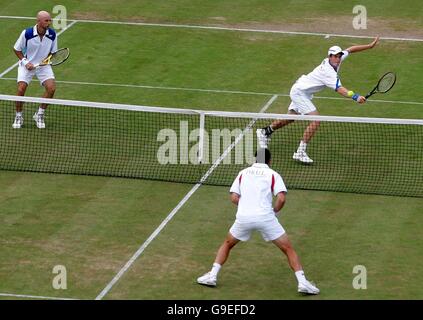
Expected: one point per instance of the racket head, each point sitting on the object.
(45, 62)
(386, 82)
(59, 56)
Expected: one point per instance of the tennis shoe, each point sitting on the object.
(302, 157)
(18, 122)
(207, 280)
(307, 287)
(262, 138)
(39, 120)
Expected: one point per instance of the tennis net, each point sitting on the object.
(360, 155)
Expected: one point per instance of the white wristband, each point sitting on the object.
(24, 61)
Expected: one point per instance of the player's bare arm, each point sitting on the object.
(21, 57)
(350, 94)
(280, 202)
(235, 198)
(364, 46)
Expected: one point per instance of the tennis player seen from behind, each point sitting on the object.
(324, 75)
(252, 192)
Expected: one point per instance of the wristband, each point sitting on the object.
(24, 61)
(355, 96)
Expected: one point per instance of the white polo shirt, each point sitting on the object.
(33, 48)
(321, 77)
(256, 185)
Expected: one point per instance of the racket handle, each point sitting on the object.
(368, 95)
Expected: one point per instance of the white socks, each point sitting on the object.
(302, 146)
(40, 110)
(19, 114)
(300, 276)
(215, 269)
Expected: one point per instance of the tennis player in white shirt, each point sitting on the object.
(324, 75)
(252, 192)
(33, 45)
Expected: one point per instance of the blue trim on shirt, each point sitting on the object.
(51, 35)
(337, 85)
(29, 34)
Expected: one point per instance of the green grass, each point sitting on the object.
(221, 60)
(330, 235)
(93, 225)
(235, 11)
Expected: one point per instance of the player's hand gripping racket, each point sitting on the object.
(55, 58)
(385, 84)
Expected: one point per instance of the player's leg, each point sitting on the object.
(304, 286)
(23, 80)
(210, 278)
(18, 122)
(285, 246)
(277, 124)
(225, 248)
(22, 86)
(50, 89)
(264, 134)
(307, 108)
(238, 232)
(46, 77)
(311, 128)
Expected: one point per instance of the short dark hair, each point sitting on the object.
(263, 156)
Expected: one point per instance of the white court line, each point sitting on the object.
(32, 297)
(212, 90)
(180, 204)
(16, 64)
(188, 26)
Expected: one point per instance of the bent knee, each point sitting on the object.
(22, 88)
(51, 89)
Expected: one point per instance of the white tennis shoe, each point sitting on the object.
(18, 122)
(207, 280)
(262, 139)
(302, 157)
(39, 120)
(307, 287)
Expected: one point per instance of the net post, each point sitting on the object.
(201, 142)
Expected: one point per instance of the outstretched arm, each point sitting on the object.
(350, 94)
(364, 46)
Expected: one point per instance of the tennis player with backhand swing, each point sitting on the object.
(324, 75)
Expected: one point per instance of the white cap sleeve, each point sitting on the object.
(279, 185)
(332, 81)
(236, 185)
(345, 55)
(20, 44)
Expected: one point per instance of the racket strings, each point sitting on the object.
(386, 82)
(59, 56)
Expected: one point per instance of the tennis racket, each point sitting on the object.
(55, 58)
(385, 84)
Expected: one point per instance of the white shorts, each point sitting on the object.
(301, 102)
(270, 230)
(43, 73)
